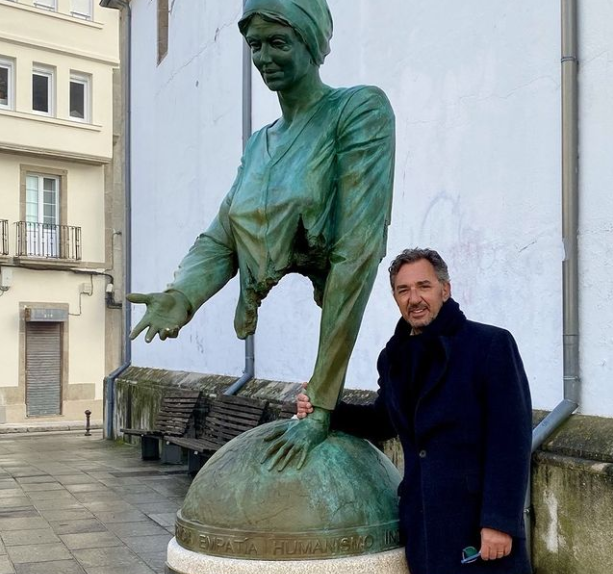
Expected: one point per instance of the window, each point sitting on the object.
(46, 4)
(80, 97)
(82, 9)
(42, 91)
(42, 214)
(162, 29)
(6, 83)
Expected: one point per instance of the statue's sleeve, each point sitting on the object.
(365, 152)
(211, 261)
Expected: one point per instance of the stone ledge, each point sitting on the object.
(571, 463)
(584, 437)
(276, 391)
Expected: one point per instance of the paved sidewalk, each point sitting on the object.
(71, 504)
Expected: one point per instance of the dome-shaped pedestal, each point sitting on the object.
(342, 503)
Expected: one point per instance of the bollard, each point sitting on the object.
(88, 413)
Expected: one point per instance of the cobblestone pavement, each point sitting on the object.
(71, 504)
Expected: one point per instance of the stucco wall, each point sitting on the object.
(75, 152)
(476, 91)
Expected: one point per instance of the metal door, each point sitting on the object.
(43, 369)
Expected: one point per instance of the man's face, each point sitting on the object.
(419, 294)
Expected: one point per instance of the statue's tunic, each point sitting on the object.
(319, 205)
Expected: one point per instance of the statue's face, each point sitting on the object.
(278, 53)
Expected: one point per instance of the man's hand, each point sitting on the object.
(494, 544)
(303, 404)
(292, 443)
(166, 314)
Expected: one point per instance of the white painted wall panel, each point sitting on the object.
(186, 150)
(596, 207)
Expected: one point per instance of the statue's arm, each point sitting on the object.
(211, 261)
(365, 144)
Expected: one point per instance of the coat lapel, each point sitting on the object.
(439, 369)
(398, 376)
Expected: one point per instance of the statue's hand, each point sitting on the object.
(293, 443)
(166, 314)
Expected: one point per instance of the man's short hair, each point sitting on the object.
(413, 255)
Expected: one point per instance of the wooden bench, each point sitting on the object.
(228, 417)
(174, 419)
(287, 410)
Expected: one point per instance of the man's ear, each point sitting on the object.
(446, 290)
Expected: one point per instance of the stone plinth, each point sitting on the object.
(182, 561)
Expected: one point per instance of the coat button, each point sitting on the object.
(423, 454)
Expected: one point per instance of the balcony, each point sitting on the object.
(4, 237)
(48, 241)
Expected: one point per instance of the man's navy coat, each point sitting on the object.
(466, 437)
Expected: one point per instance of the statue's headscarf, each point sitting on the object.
(311, 19)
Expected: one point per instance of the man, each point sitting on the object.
(456, 394)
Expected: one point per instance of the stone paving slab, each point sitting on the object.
(6, 566)
(54, 567)
(77, 526)
(29, 537)
(71, 504)
(38, 553)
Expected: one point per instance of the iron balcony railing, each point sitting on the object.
(4, 237)
(48, 241)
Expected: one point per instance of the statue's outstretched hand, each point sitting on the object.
(292, 443)
(166, 314)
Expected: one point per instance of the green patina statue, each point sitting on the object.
(312, 196)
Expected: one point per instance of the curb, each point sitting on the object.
(47, 427)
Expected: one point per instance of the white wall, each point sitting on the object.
(596, 215)
(476, 91)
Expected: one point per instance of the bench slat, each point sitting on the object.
(174, 417)
(228, 417)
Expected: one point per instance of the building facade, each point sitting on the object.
(58, 65)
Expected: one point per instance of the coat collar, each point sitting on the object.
(448, 322)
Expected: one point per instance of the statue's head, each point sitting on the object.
(286, 37)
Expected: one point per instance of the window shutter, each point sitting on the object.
(43, 369)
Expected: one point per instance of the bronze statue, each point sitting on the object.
(312, 196)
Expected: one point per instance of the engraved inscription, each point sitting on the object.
(302, 546)
(391, 538)
(228, 545)
(321, 546)
(183, 535)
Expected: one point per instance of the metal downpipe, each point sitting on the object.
(570, 198)
(249, 371)
(570, 231)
